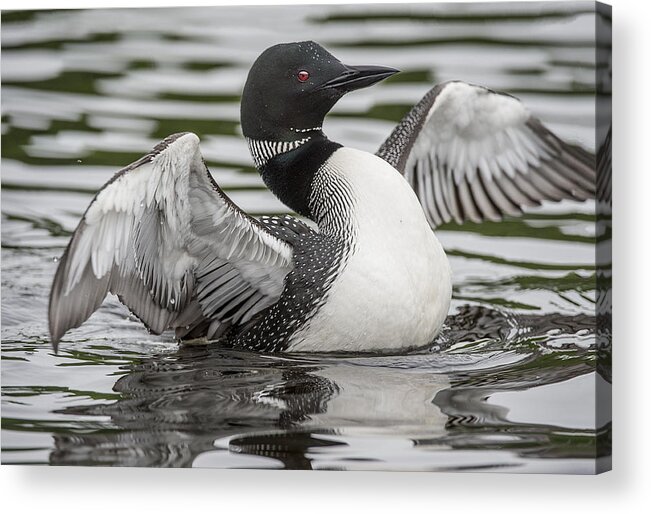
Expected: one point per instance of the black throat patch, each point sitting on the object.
(289, 175)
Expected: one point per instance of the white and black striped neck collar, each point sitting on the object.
(288, 167)
(263, 151)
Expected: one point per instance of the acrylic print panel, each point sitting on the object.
(518, 379)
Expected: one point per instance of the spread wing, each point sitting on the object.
(165, 239)
(474, 154)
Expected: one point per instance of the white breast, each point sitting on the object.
(395, 290)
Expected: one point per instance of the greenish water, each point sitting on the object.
(509, 386)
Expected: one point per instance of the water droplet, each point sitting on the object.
(79, 161)
(142, 204)
(55, 259)
(172, 301)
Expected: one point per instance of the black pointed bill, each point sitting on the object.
(357, 77)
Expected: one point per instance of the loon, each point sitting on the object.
(369, 273)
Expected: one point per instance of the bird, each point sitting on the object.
(359, 267)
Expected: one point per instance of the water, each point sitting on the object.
(510, 384)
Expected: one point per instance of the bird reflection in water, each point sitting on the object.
(289, 410)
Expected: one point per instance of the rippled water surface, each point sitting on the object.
(510, 384)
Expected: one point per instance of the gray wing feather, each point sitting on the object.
(81, 301)
(474, 154)
(165, 239)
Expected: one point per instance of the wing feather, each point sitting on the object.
(165, 239)
(487, 156)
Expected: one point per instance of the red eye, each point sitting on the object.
(302, 75)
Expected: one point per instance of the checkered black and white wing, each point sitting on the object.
(165, 239)
(475, 154)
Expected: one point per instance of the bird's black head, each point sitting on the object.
(292, 86)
